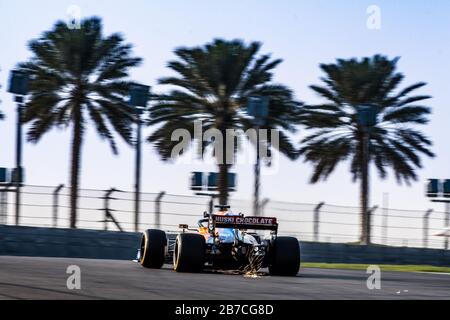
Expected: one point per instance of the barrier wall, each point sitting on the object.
(68, 243)
(343, 253)
(45, 242)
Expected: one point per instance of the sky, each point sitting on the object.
(302, 33)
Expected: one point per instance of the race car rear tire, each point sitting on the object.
(153, 249)
(189, 253)
(285, 257)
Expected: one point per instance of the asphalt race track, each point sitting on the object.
(44, 278)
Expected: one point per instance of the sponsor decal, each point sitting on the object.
(236, 220)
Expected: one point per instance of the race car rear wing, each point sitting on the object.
(239, 222)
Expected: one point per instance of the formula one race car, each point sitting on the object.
(222, 242)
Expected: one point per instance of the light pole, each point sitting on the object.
(439, 192)
(18, 85)
(139, 95)
(258, 109)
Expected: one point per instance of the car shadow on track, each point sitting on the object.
(305, 273)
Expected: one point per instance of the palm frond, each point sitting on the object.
(213, 83)
(394, 144)
(79, 70)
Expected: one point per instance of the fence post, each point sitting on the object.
(370, 213)
(108, 215)
(3, 207)
(4, 204)
(384, 232)
(426, 218)
(211, 203)
(447, 222)
(317, 221)
(107, 197)
(158, 209)
(56, 204)
(262, 206)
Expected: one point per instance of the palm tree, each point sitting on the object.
(79, 75)
(355, 91)
(213, 83)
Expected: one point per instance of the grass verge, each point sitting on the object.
(399, 268)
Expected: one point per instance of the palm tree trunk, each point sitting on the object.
(75, 166)
(364, 192)
(223, 184)
(223, 170)
(256, 202)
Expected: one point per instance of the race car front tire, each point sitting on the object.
(189, 253)
(285, 257)
(153, 249)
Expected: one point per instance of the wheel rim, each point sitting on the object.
(143, 247)
(175, 255)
